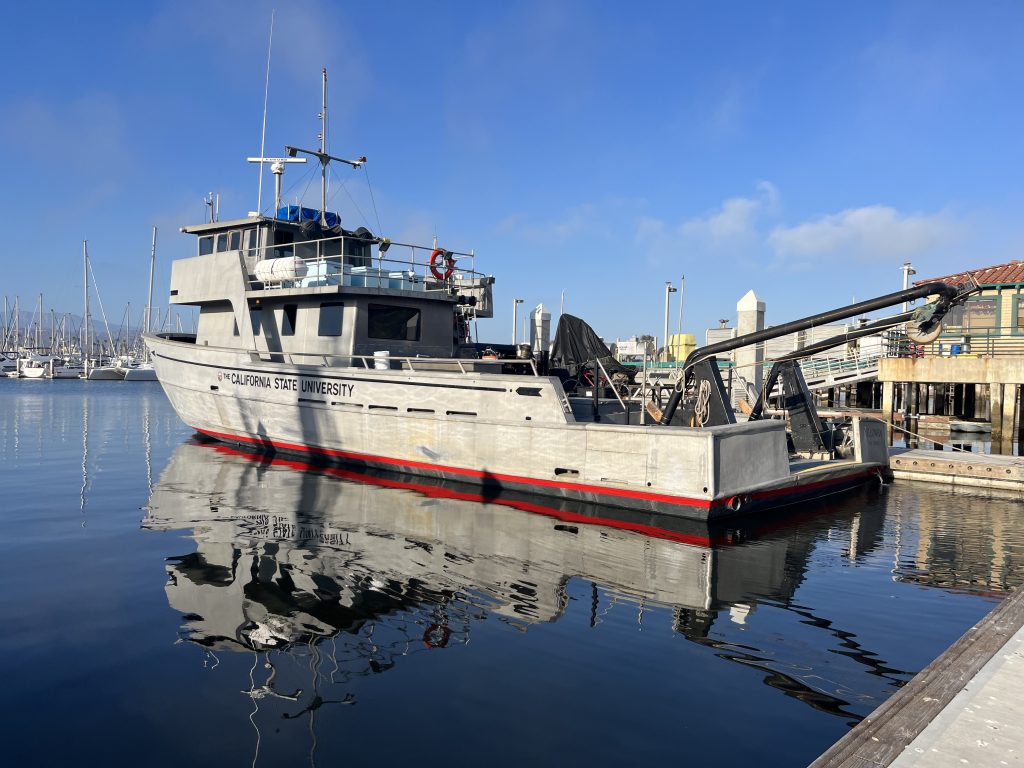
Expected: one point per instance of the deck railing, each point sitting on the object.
(1001, 341)
(386, 362)
(374, 264)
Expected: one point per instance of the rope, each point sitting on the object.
(929, 438)
(702, 408)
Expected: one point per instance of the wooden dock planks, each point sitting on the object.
(882, 736)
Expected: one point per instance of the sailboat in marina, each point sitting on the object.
(144, 371)
(104, 370)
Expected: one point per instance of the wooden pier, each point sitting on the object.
(965, 708)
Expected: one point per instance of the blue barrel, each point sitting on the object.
(954, 349)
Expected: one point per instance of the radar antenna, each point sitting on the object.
(276, 168)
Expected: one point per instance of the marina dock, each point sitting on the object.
(965, 708)
(959, 469)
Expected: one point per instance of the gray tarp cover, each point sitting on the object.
(577, 345)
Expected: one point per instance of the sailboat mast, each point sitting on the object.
(85, 291)
(149, 300)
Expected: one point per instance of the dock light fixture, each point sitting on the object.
(669, 289)
(515, 313)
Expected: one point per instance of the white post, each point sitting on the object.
(908, 270)
(669, 289)
(515, 313)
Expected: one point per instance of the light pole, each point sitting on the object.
(907, 272)
(669, 289)
(515, 313)
(682, 285)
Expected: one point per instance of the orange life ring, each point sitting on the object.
(436, 641)
(440, 256)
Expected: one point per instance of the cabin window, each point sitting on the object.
(256, 315)
(330, 318)
(249, 241)
(397, 323)
(234, 240)
(222, 242)
(291, 312)
(357, 252)
(206, 245)
(283, 240)
(1018, 313)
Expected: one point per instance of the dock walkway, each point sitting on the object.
(965, 708)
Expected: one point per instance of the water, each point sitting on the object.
(167, 602)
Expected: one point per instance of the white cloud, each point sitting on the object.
(871, 233)
(736, 219)
(730, 228)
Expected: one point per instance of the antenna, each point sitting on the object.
(263, 134)
(322, 155)
(212, 204)
(276, 168)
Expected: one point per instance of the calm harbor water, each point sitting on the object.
(168, 602)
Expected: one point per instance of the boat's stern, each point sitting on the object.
(870, 442)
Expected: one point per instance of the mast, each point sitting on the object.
(149, 300)
(323, 149)
(85, 291)
(321, 154)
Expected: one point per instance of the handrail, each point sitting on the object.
(370, 360)
(609, 380)
(326, 254)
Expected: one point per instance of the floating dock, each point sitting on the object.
(965, 708)
(958, 469)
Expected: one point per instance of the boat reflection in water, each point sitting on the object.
(342, 544)
(386, 567)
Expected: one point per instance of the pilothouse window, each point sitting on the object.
(330, 318)
(222, 242)
(291, 312)
(206, 245)
(397, 323)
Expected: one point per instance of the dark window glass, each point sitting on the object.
(256, 316)
(1018, 314)
(330, 318)
(205, 245)
(234, 240)
(398, 323)
(282, 240)
(222, 242)
(291, 312)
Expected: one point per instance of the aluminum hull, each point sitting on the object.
(500, 431)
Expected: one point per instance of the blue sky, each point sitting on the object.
(804, 150)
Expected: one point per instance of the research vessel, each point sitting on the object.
(343, 346)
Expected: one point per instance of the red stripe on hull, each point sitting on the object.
(756, 499)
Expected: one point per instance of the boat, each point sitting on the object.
(34, 366)
(343, 346)
(104, 371)
(144, 371)
(65, 368)
(969, 425)
(140, 372)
